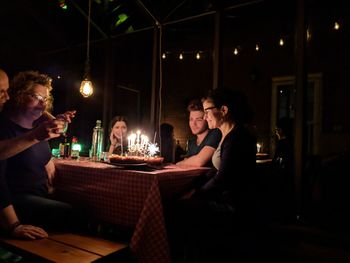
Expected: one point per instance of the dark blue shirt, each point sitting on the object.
(25, 172)
(212, 139)
(4, 192)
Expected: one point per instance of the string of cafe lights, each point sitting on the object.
(235, 51)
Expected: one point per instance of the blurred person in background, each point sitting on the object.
(283, 170)
(167, 142)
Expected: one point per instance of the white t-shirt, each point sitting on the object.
(216, 157)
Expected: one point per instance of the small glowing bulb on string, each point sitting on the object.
(164, 56)
(308, 35)
(181, 57)
(198, 56)
(336, 26)
(235, 51)
(257, 47)
(281, 42)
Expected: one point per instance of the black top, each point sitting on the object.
(235, 182)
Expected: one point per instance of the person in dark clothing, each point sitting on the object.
(284, 151)
(222, 209)
(167, 142)
(283, 170)
(25, 176)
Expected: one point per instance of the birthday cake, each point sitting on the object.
(115, 158)
(154, 160)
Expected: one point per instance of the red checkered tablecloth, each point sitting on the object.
(131, 198)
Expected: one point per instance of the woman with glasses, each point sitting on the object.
(28, 174)
(217, 220)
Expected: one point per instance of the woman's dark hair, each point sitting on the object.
(236, 101)
(115, 120)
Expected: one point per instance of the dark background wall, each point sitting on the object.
(121, 68)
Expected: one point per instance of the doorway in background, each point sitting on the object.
(283, 105)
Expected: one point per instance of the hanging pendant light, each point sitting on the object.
(86, 87)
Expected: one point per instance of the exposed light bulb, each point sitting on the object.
(181, 57)
(336, 26)
(281, 42)
(86, 88)
(198, 56)
(163, 56)
(308, 35)
(257, 47)
(235, 51)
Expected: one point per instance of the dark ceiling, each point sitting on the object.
(48, 25)
(45, 26)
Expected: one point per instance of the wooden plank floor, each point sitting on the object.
(64, 248)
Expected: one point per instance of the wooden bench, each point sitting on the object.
(64, 248)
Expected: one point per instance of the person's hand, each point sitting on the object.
(113, 139)
(67, 116)
(48, 129)
(28, 232)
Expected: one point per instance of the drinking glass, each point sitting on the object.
(65, 127)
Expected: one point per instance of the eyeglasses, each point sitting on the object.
(208, 109)
(40, 98)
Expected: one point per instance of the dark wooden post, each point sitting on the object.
(300, 101)
(217, 50)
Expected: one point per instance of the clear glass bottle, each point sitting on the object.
(97, 141)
